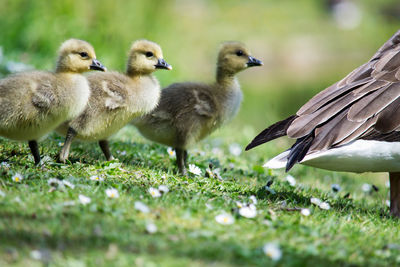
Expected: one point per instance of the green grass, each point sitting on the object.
(110, 232)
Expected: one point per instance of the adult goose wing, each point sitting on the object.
(373, 106)
(364, 99)
(366, 94)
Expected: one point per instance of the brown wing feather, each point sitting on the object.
(337, 129)
(303, 125)
(364, 127)
(329, 95)
(374, 103)
(386, 58)
(389, 61)
(274, 131)
(389, 118)
(387, 46)
(369, 87)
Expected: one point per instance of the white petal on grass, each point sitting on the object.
(163, 188)
(140, 206)
(54, 182)
(291, 180)
(36, 255)
(209, 206)
(387, 184)
(366, 188)
(112, 193)
(154, 192)
(96, 178)
(5, 165)
(335, 188)
(84, 200)
(151, 228)
(224, 219)
(17, 177)
(316, 201)
(68, 184)
(273, 251)
(235, 149)
(253, 199)
(171, 152)
(387, 203)
(324, 206)
(305, 212)
(194, 169)
(249, 211)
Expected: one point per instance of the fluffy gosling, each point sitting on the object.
(34, 103)
(117, 98)
(188, 112)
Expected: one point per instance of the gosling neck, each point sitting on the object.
(133, 73)
(225, 78)
(61, 69)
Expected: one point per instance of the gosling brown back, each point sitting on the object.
(188, 112)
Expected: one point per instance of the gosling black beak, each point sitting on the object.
(161, 64)
(254, 62)
(96, 65)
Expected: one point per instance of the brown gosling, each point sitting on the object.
(188, 112)
(34, 103)
(117, 98)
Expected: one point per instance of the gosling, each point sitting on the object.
(188, 112)
(33, 104)
(117, 98)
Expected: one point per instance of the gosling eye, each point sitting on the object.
(239, 53)
(84, 54)
(149, 54)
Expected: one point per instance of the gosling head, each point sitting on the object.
(77, 56)
(145, 57)
(234, 57)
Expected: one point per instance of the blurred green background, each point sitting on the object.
(306, 45)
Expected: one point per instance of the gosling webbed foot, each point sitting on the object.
(181, 160)
(33, 145)
(64, 153)
(106, 149)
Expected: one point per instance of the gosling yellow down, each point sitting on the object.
(34, 103)
(117, 98)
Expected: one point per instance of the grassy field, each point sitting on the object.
(60, 215)
(46, 222)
